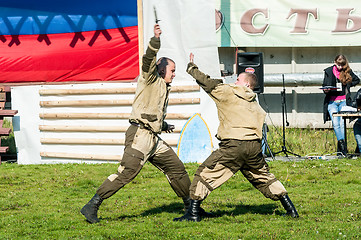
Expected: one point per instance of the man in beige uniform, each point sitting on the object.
(240, 132)
(142, 142)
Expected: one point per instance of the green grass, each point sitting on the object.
(43, 202)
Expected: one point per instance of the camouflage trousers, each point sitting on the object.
(233, 156)
(142, 145)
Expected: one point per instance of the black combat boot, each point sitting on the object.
(339, 154)
(192, 213)
(90, 210)
(341, 147)
(202, 212)
(288, 205)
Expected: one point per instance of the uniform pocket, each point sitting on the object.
(212, 160)
(149, 117)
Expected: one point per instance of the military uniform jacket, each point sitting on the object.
(240, 115)
(151, 97)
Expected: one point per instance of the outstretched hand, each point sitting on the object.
(157, 31)
(191, 57)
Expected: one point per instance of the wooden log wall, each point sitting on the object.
(53, 119)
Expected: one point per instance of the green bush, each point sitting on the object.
(9, 140)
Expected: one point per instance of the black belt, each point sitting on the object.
(135, 124)
(140, 125)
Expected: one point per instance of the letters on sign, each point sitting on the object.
(345, 22)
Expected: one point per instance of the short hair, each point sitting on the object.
(252, 79)
(162, 65)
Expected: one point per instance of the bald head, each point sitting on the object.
(247, 79)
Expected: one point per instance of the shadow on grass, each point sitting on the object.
(241, 209)
(170, 208)
(177, 208)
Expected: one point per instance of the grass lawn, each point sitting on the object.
(43, 202)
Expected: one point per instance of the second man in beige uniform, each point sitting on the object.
(240, 132)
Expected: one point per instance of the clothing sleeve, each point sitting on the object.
(355, 79)
(329, 80)
(149, 68)
(164, 126)
(203, 80)
(326, 79)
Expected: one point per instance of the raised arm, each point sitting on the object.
(150, 56)
(203, 80)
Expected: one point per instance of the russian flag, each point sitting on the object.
(68, 40)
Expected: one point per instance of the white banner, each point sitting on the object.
(287, 23)
(187, 26)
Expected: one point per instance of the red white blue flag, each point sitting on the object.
(68, 40)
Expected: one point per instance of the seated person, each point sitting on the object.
(356, 103)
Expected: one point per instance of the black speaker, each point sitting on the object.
(251, 62)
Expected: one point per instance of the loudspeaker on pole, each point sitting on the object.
(251, 62)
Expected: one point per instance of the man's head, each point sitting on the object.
(166, 69)
(247, 79)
